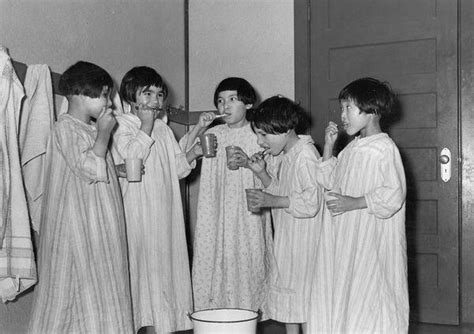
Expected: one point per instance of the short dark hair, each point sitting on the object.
(279, 114)
(370, 96)
(140, 77)
(84, 78)
(245, 91)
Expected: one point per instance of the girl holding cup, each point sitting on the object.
(296, 200)
(83, 284)
(232, 246)
(362, 248)
(159, 265)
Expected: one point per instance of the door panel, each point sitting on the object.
(413, 46)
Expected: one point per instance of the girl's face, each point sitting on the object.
(229, 104)
(353, 119)
(276, 143)
(151, 96)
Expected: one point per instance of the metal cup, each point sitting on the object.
(208, 144)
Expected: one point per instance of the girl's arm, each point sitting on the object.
(256, 163)
(205, 119)
(129, 141)
(83, 154)
(181, 163)
(384, 200)
(194, 153)
(388, 198)
(265, 178)
(105, 124)
(325, 175)
(273, 201)
(329, 140)
(259, 199)
(342, 203)
(305, 193)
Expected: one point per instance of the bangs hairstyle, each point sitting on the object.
(86, 79)
(138, 78)
(279, 114)
(370, 96)
(245, 91)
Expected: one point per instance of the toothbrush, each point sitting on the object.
(263, 153)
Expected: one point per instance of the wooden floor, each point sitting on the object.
(272, 327)
(440, 329)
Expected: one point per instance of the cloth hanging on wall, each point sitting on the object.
(17, 265)
(36, 122)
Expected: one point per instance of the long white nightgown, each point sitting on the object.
(232, 247)
(296, 231)
(360, 281)
(158, 254)
(83, 284)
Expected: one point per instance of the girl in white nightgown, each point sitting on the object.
(362, 256)
(296, 199)
(159, 264)
(83, 284)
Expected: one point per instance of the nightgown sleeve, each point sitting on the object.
(183, 168)
(185, 147)
(325, 175)
(273, 166)
(129, 141)
(387, 199)
(306, 194)
(184, 142)
(76, 148)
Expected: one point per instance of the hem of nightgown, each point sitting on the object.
(286, 307)
(60, 328)
(176, 320)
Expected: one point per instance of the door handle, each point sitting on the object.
(445, 161)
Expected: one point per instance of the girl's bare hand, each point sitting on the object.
(258, 199)
(205, 119)
(331, 133)
(106, 121)
(341, 203)
(146, 114)
(197, 149)
(121, 170)
(257, 163)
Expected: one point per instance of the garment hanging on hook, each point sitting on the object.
(17, 269)
(36, 122)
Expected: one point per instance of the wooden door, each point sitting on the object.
(412, 44)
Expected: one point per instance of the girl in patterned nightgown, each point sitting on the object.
(296, 199)
(362, 249)
(83, 284)
(232, 246)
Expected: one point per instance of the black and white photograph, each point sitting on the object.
(237, 166)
